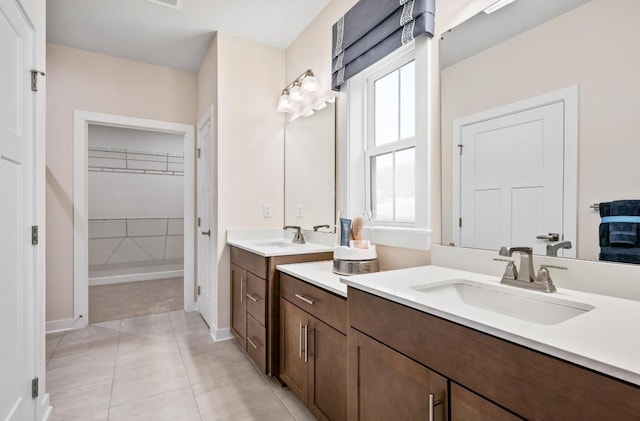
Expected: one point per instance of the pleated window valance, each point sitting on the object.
(374, 28)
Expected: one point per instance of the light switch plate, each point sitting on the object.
(266, 210)
(299, 211)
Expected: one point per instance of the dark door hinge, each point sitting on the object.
(34, 79)
(198, 289)
(460, 222)
(199, 151)
(460, 146)
(199, 221)
(34, 388)
(34, 235)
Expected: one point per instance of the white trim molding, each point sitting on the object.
(81, 121)
(569, 98)
(138, 277)
(220, 335)
(60, 325)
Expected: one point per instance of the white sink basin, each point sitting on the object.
(276, 243)
(505, 300)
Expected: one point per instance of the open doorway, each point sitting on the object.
(136, 222)
(134, 217)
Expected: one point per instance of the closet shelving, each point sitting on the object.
(135, 162)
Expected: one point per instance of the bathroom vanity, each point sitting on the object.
(255, 292)
(417, 337)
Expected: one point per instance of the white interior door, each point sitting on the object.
(16, 214)
(206, 229)
(511, 179)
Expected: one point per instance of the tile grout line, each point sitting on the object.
(184, 365)
(115, 365)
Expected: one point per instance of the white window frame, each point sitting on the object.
(352, 130)
(371, 150)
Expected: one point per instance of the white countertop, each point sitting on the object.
(273, 242)
(319, 274)
(605, 339)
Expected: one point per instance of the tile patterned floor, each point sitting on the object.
(159, 367)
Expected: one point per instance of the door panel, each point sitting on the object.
(16, 214)
(206, 243)
(327, 372)
(512, 175)
(293, 368)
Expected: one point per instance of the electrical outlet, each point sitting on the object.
(299, 211)
(266, 210)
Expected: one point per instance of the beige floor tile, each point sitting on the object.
(134, 342)
(154, 355)
(79, 414)
(151, 325)
(158, 376)
(169, 406)
(220, 362)
(297, 409)
(52, 340)
(270, 413)
(98, 338)
(192, 345)
(217, 404)
(69, 373)
(188, 323)
(92, 395)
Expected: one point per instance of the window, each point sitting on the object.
(385, 160)
(391, 144)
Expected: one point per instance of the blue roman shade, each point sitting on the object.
(374, 28)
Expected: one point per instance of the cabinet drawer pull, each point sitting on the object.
(305, 299)
(306, 343)
(253, 344)
(252, 298)
(300, 342)
(433, 402)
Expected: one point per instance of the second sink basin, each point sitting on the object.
(505, 300)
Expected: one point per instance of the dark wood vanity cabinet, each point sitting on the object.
(489, 378)
(313, 347)
(386, 385)
(255, 303)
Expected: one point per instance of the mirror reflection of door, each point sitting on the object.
(511, 177)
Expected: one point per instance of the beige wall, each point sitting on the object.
(562, 53)
(243, 80)
(82, 80)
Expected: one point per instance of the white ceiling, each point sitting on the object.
(156, 34)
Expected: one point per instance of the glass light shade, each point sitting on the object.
(308, 113)
(310, 85)
(296, 93)
(284, 104)
(320, 105)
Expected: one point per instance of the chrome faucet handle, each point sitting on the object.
(317, 227)
(510, 272)
(497, 259)
(544, 277)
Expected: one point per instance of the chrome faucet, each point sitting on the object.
(524, 277)
(317, 227)
(552, 249)
(298, 237)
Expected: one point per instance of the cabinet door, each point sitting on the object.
(466, 405)
(386, 385)
(293, 367)
(327, 371)
(239, 304)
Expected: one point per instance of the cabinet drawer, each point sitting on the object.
(466, 405)
(249, 261)
(325, 306)
(256, 340)
(256, 297)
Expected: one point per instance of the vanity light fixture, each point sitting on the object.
(497, 5)
(302, 96)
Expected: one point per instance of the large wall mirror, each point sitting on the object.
(544, 98)
(310, 158)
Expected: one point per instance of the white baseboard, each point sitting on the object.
(220, 335)
(60, 325)
(151, 276)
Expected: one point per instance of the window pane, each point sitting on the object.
(408, 100)
(386, 109)
(406, 185)
(382, 187)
